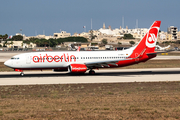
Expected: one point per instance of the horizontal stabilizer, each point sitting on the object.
(153, 53)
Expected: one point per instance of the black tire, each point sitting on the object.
(22, 74)
(91, 72)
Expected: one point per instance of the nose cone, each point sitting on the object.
(7, 63)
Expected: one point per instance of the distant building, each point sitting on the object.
(137, 33)
(39, 37)
(63, 34)
(44, 37)
(14, 44)
(169, 37)
(83, 34)
(173, 31)
(162, 35)
(31, 45)
(178, 35)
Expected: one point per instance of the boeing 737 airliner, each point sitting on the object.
(81, 61)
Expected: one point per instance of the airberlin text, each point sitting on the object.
(56, 58)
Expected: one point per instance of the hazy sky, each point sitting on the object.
(50, 16)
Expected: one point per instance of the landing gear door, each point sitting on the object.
(28, 59)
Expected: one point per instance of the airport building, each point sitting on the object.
(173, 31)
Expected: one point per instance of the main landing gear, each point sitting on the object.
(22, 74)
(91, 72)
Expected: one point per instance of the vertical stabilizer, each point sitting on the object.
(148, 42)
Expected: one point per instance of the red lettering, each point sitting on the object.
(40, 58)
(44, 58)
(49, 57)
(61, 58)
(65, 58)
(68, 57)
(72, 56)
(34, 59)
(56, 58)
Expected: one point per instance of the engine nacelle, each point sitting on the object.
(77, 68)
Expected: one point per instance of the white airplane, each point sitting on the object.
(163, 48)
(81, 61)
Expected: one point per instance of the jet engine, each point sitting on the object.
(77, 68)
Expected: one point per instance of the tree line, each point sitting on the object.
(42, 42)
(53, 42)
(3, 37)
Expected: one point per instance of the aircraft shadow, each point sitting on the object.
(87, 74)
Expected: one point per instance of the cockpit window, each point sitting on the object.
(13, 58)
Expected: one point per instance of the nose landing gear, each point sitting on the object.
(91, 72)
(19, 70)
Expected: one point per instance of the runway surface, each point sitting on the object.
(101, 76)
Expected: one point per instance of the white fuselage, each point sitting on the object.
(50, 60)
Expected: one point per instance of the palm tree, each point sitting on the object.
(4, 37)
(1, 37)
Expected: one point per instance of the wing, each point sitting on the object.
(104, 63)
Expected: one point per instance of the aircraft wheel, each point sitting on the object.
(91, 72)
(22, 74)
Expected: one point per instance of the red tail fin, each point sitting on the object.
(148, 43)
(78, 49)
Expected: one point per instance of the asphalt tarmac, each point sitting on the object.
(101, 76)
